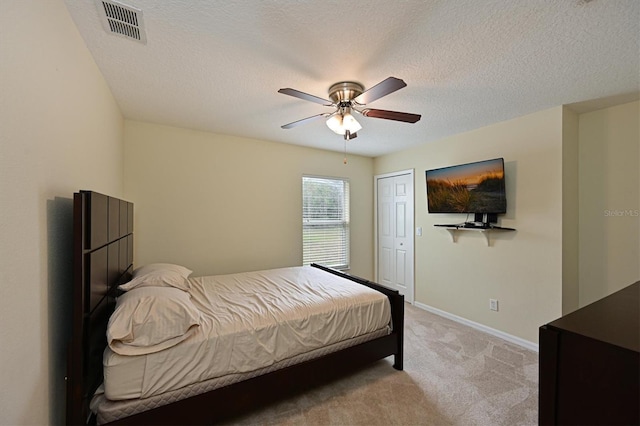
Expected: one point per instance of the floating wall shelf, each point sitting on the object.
(484, 229)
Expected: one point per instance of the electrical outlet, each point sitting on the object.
(493, 304)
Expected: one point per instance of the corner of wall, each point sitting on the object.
(570, 211)
(609, 200)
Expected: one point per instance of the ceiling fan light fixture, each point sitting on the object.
(350, 123)
(342, 121)
(335, 124)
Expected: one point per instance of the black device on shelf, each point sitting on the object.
(478, 224)
(474, 188)
(473, 225)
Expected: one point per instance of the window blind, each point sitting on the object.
(325, 221)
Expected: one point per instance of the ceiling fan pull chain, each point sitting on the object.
(344, 161)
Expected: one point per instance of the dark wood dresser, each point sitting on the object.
(590, 364)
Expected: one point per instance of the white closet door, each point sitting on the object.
(395, 233)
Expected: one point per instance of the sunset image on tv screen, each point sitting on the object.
(467, 188)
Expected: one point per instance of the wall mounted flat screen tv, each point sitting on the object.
(467, 188)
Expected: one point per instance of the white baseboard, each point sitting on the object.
(504, 336)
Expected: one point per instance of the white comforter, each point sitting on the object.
(249, 321)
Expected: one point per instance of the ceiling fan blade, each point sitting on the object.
(304, 121)
(391, 115)
(307, 97)
(381, 89)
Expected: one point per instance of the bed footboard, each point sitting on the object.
(397, 310)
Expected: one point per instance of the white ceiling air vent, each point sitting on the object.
(122, 20)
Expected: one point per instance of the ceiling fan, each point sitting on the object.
(348, 97)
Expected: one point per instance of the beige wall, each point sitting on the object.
(570, 211)
(61, 131)
(609, 200)
(221, 204)
(522, 269)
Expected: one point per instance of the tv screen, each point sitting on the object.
(467, 188)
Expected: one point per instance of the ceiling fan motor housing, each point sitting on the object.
(345, 91)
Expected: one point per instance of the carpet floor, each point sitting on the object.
(453, 375)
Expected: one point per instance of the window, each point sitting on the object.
(325, 221)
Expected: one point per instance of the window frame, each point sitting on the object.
(343, 225)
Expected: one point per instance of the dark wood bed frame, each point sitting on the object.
(103, 259)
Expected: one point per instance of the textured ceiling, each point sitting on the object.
(217, 65)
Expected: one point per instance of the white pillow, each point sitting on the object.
(159, 278)
(155, 267)
(151, 319)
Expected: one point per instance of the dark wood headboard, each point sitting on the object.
(102, 260)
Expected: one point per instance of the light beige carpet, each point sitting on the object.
(453, 375)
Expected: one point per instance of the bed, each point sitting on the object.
(230, 384)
